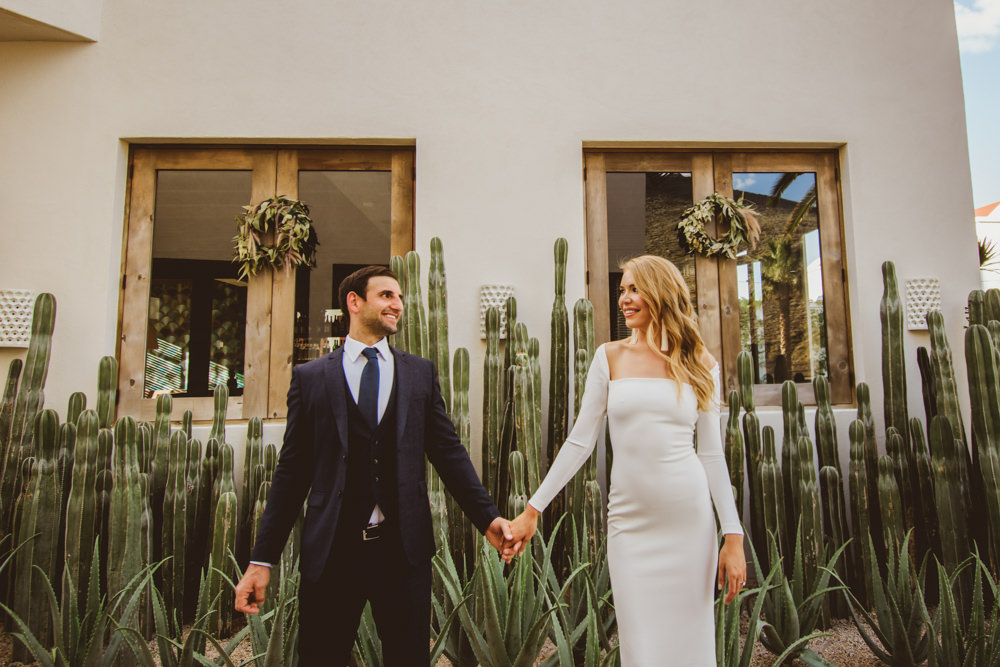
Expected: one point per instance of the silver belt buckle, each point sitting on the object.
(367, 536)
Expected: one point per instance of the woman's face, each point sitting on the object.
(631, 303)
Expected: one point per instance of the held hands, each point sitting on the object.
(500, 536)
(250, 590)
(732, 566)
(523, 529)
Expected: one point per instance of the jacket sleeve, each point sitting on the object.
(451, 460)
(291, 481)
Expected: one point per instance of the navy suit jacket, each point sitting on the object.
(313, 462)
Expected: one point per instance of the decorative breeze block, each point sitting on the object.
(495, 296)
(922, 295)
(16, 308)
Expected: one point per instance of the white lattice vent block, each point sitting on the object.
(16, 306)
(922, 295)
(495, 296)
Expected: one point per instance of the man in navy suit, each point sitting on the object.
(362, 421)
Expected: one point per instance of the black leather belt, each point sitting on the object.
(371, 533)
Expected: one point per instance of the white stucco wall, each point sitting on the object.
(78, 18)
(499, 97)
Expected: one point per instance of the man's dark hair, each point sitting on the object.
(357, 282)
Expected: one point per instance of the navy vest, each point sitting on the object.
(371, 466)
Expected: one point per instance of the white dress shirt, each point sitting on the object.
(354, 363)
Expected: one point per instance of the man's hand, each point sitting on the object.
(501, 538)
(732, 566)
(250, 590)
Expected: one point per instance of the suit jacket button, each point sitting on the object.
(340, 494)
(377, 478)
(344, 457)
(375, 461)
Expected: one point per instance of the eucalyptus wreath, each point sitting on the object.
(743, 226)
(294, 236)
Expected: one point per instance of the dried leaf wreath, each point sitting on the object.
(294, 236)
(743, 226)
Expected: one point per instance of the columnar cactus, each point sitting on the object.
(734, 449)
(492, 403)
(811, 516)
(527, 428)
(891, 505)
(460, 530)
(416, 321)
(186, 423)
(193, 547)
(76, 405)
(945, 388)
(398, 339)
(992, 305)
(30, 394)
(24, 528)
(984, 390)
(253, 455)
(81, 508)
(835, 520)
(160, 465)
(125, 511)
(518, 496)
(225, 518)
(893, 355)
(789, 462)
(871, 460)
(437, 311)
(107, 390)
(220, 401)
(977, 307)
(860, 507)
(753, 451)
(558, 360)
(39, 524)
(898, 453)
(927, 383)
(175, 530)
(772, 493)
(926, 520)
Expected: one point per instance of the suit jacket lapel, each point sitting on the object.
(336, 386)
(403, 374)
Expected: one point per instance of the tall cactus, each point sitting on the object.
(125, 511)
(984, 390)
(30, 394)
(492, 403)
(772, 494)
(789, 462)
(527, 428)
(81, 508)
(175, 531)
(899, 455)
(977, 307)
(416, 321)
(39, 525)
(437, 312)
(891, 505)
(159, 467)
(860, 507)
(926, 520)
(459, 527)
(398, 339)
(811, 517)
(107, 390)
(220, 403)
(945, 388)
(24, 529)
(753, 451)
(871, 460)
(193, 548)
(558, 361)
(835, 519)
(518, 496)
(893, 355)
(734, 450)
(253, 455)
(949, 494)
(992, 305)
(75, 406)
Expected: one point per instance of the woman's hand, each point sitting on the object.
(732, 566)
(524, 527)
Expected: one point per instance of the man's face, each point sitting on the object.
(378, 313)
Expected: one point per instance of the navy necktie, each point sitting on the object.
(368, 391)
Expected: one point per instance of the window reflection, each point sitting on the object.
(782, 318)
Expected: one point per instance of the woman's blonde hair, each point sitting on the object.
(673, 324)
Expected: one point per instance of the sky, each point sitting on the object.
(978, 24)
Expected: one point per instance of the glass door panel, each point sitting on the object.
(780, 282)
(197, 306)
(352, 215)
(643, 212)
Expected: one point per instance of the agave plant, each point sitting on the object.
(977, 645)
(793, 606)
(728, 652)
(516, 610)
(900, 632)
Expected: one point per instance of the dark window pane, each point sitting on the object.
(782, 320)
(643, 212)
(197, 307)
(351, 212)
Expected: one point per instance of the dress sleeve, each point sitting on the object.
(714, 461)
(583, 438)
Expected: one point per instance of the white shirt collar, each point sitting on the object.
(353, 348)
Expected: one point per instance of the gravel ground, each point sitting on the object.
(843, 647)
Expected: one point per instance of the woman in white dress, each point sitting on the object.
(658, 389)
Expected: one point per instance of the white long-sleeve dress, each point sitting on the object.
(662, 545)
